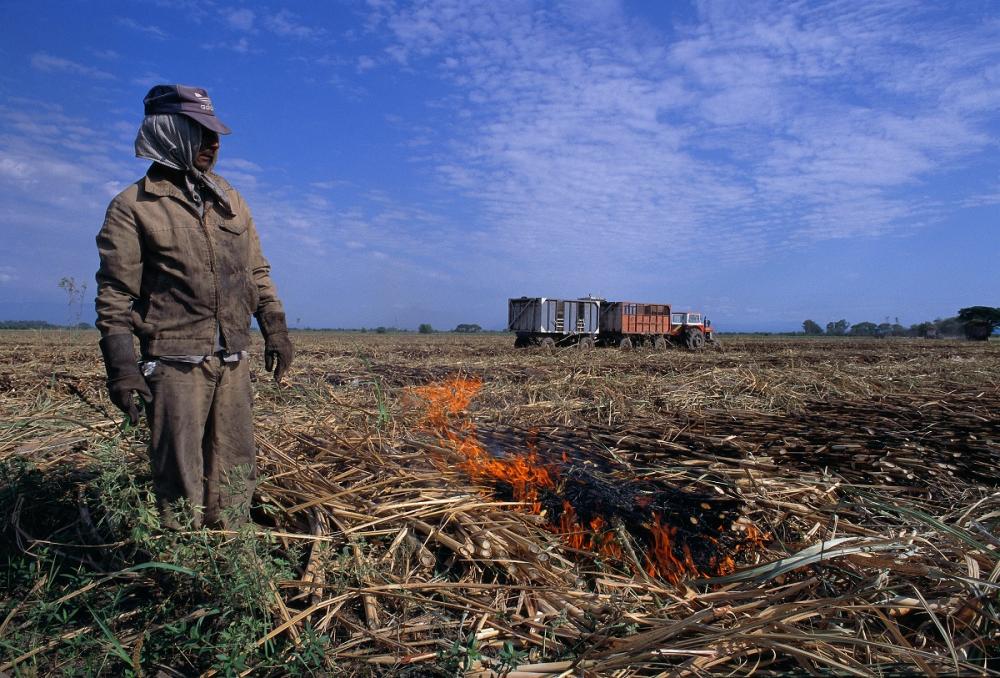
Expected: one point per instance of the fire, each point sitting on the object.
(535, 482)
(597, 539)
(662, 559)
(525, 474)
(448, 398)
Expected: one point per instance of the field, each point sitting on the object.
(446, 505)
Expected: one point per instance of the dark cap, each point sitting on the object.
(190, 101)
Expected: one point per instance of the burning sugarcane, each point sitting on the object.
(596, 510)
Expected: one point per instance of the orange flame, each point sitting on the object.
(448, 398)
(667, 557)
(525, 474)
(661, 560)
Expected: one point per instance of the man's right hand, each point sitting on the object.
(120, 391)
(124, 375)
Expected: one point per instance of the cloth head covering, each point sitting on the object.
(173, 140)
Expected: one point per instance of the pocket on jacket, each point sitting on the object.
(233, 226)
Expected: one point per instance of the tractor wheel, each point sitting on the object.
(625, 344)
(548, 344)
(521, 342)
(695, 339)
(585, 344)
(660, 344)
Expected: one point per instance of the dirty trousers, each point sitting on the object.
(201, 440)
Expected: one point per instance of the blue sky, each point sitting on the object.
(411, 162)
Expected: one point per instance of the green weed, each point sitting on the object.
(113, 593)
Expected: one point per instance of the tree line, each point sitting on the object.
(41, 325)
(974, 322)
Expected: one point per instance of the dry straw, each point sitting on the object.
(870, 465)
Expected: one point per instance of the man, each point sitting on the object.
(182, 268)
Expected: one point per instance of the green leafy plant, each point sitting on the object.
(460, 656)
(509, 658)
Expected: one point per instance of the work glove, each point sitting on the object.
(124, 376)
(278, 351)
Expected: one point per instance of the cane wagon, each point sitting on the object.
(545, 322)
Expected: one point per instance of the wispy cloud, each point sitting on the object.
(240, 19)
(240, 164)
(154, 32)
(106, 54)
(241, 46)
(148, 79)
(42, 61)
(754, 129)
(44, 147)
(288, 25)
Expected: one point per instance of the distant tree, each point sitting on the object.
(948, 327)
(921, 329)
(468, 327)
(811, 327)
(425, 328)
(27, 325)
(978, 322)
(380, 330)
(837, 329)
(865, 329)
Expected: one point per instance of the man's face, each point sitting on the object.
(209, 150)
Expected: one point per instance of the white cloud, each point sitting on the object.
(240, 19)
(15, 169)
(106, 54)
(240, 46)
(239, 164)
(756, 128)
(154, 32)
(328, 185)
(286, 24)
(41, 148)
(43, 61)
(148, 79)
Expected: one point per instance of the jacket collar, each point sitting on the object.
(166, 182)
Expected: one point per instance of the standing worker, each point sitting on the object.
(182, 268)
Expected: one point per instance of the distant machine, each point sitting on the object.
(589, 322)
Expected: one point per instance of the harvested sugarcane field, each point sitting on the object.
(442, 505)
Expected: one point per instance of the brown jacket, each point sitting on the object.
(174, 277)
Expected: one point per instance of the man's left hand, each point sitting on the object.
(278, 350)
(278, 354)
